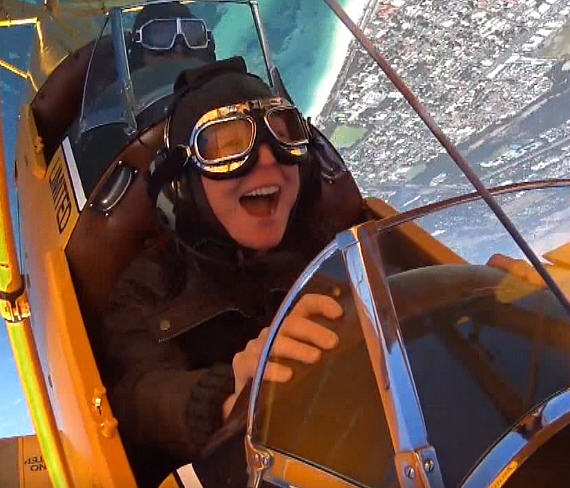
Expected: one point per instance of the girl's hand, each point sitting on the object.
(299, 338)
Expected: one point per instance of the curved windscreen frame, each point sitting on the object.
(121, 85)
(379, 376)
(108, 93)
(534, 431)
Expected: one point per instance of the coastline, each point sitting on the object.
(358, 11)
(344, 71)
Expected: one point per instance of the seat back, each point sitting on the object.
(104, 243)
(58, 102)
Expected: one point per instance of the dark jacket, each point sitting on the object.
(174, 322)
(179, 314)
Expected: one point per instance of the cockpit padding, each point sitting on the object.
(101, 247)
(58, 102)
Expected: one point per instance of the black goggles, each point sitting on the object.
(222, 142)
(161, 34)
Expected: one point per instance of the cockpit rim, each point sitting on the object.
(401, 218)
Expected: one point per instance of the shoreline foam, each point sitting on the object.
(342, 37)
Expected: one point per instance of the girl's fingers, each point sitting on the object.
(316, 304)
(306, 330)
(276, 372)
(287, 348)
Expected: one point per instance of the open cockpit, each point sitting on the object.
(450, 340)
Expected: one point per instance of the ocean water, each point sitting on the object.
(307, 41)
(309, 45)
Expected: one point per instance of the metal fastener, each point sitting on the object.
(109, 427)
(98, 405)
(428, 465)
(164, 325)
(410, 472)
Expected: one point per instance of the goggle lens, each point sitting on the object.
(287, 126)
(159, 33)
(225, 140)
(222, 140)
(194, 32)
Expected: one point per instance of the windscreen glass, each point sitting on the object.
(103, 100)
(329, 414)
(204, 33)
(486, 339)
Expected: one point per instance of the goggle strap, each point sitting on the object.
(168, 165)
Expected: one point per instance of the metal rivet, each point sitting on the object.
(165, 324)
(429, 465)
(109, 427)
(410, 472)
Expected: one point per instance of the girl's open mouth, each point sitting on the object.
(261, 202)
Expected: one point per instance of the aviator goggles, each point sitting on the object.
(223, 141)
(161, 34)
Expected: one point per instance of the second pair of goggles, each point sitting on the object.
(161, 34)
(223, 140)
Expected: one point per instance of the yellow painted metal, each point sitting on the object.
(31, 465)
(15, 22)
(416, 235)
(85, 421)
(169, 482)
(16, 313)
(10, 279)
(25, 355)
(560, 256)
(59, 32)
(13, 69)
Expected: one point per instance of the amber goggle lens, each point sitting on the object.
(225, 140)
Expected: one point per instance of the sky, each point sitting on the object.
(14, 47)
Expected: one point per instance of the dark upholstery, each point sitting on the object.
(101, 247)
(58, 102)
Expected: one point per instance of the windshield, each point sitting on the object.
(486, 342)
(494, 75)
(542, 216)
(152, 72)
(330, 410)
